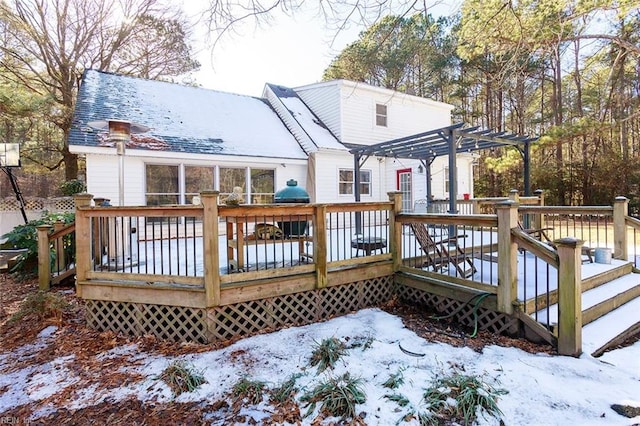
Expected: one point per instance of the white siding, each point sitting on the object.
(348, 109)
(324, 100)
(102, 173)
(384, 177)
(406, 114)
(438, 177)
(328, 165)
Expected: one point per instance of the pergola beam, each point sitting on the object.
(449, 140)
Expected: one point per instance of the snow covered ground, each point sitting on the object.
(542, 389)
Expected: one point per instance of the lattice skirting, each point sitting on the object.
(494, 322)
(241, 319)
(165, 322)
(297, 309)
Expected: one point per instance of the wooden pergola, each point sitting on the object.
(449, 140)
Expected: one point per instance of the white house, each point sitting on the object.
(360, 114)
(204, 139)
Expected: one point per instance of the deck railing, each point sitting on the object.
(206, 255)
(451, 247)
(140, 245)
(482, 205)
(633, 235)
(527, 275)
(56, 253)
(208, 248)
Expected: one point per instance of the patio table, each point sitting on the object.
(368, 244)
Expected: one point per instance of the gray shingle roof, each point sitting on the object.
(315, 129)
(182, 119)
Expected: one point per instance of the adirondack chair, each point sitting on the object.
(442, 253)
(541, 235)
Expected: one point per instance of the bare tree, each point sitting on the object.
(49, 43)
(223, 16)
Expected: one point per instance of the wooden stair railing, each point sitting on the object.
(56, 254)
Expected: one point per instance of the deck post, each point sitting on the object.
(538, 220)
(507, 212)
(395, 229)
(83, 240)
(475, 206)
(569, 296)
(620, 211)
(514, 195)
(211, 249)
(44, 258)
(320, 244)
(61, 261)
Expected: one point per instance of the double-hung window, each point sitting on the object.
(346, 182)
(381, 115)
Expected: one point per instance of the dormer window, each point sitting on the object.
(381, 115)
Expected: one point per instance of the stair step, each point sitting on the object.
(594, 276)
(613, 293)
(600, 334)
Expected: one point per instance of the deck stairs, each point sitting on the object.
(610, 308)
(8, 259)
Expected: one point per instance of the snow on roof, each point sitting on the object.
(310, 123)
(182, 118)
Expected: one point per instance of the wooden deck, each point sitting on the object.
(210, 272)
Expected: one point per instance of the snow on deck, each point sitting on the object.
(594, 296)
(598, 333)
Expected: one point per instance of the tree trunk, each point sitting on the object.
(558, 117)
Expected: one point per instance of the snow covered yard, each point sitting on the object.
(67, 374)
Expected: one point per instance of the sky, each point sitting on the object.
(539, 389)
(291, 51)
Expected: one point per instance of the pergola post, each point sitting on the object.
(527, 168)
(453, 191)
(356, 190)
(427, 176)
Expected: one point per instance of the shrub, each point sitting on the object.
(251, 390)
(401, 400)
(460, 397)
(337, 397)
(72, 187)
(182, 377)
(395, 380)
(363, 342)
(43, 305)
(326, 353)
(26, 237)
(286, 390)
